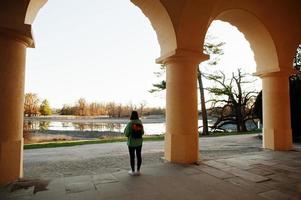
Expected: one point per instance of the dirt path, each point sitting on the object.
(101, 158)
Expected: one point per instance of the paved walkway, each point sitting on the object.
(108, 158)
(233, 167)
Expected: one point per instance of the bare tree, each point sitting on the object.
(141, 108)
(235, 102)
(31, 104)
(93, 109)
(209, 49)
(119, 110)
(82, 107)
(111, 109)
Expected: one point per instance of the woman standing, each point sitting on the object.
(134, 132)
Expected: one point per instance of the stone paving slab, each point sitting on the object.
(78, 184)
(173, 182)
(237, 193)
(277, 195)
(238, 162)
(21, 194)
(111, 189)
(247, 175)
(182, 186)
(225, 178)
(224, 189)
(104, 178)
(283, 178)
(295, 170)
(237, 172)
(217, 165)
(57, 185)
(248, 185)
(86, 195)
(73, 179)
(77, 187)
(258, 157)
(261, 171)
(191, 171)
(215, 172)
(268, 162)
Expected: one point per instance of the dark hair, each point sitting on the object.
(134, 115)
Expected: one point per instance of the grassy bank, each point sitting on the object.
(217, 134)
(83, 142)
(119, 139)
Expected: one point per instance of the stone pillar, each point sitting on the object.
(12, 68)
(181, 139)
(277, 133)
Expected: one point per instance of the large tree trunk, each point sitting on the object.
(203, 104)
(241, 126)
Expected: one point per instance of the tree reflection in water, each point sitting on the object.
(63, 127)
(77, 126)
(97, 126)
(44, 125)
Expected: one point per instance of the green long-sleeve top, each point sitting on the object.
(132, 142)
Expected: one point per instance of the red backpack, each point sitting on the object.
(137, 130)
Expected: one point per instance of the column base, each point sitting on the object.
(182, 149)
(11, 161)
(277, 139)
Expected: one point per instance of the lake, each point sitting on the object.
(149, 128)
(154, 125)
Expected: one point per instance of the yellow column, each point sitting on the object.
(181, 139)
(277, 133)
(12, 67)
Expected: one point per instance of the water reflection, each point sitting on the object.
(115, 127)
(44, 125)
(90, 129)
(31, 125)
(150, 129)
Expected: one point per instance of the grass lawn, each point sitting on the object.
(217, 134)
(82, 142)
(119, 139)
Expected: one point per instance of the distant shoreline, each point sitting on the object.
(95, 119)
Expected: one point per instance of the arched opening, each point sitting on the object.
(162, 24)
(236, 57)
(275, 78)
(257, 35)
(259, 52)
(262, 56)
(231, 58)
(83, 54)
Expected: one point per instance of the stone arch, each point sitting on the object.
(260, 39)
(32, 10)
(161, 22)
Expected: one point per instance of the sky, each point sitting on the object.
(105, 51)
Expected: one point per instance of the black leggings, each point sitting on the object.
(132, 157)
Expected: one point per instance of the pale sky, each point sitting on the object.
(105, 51)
